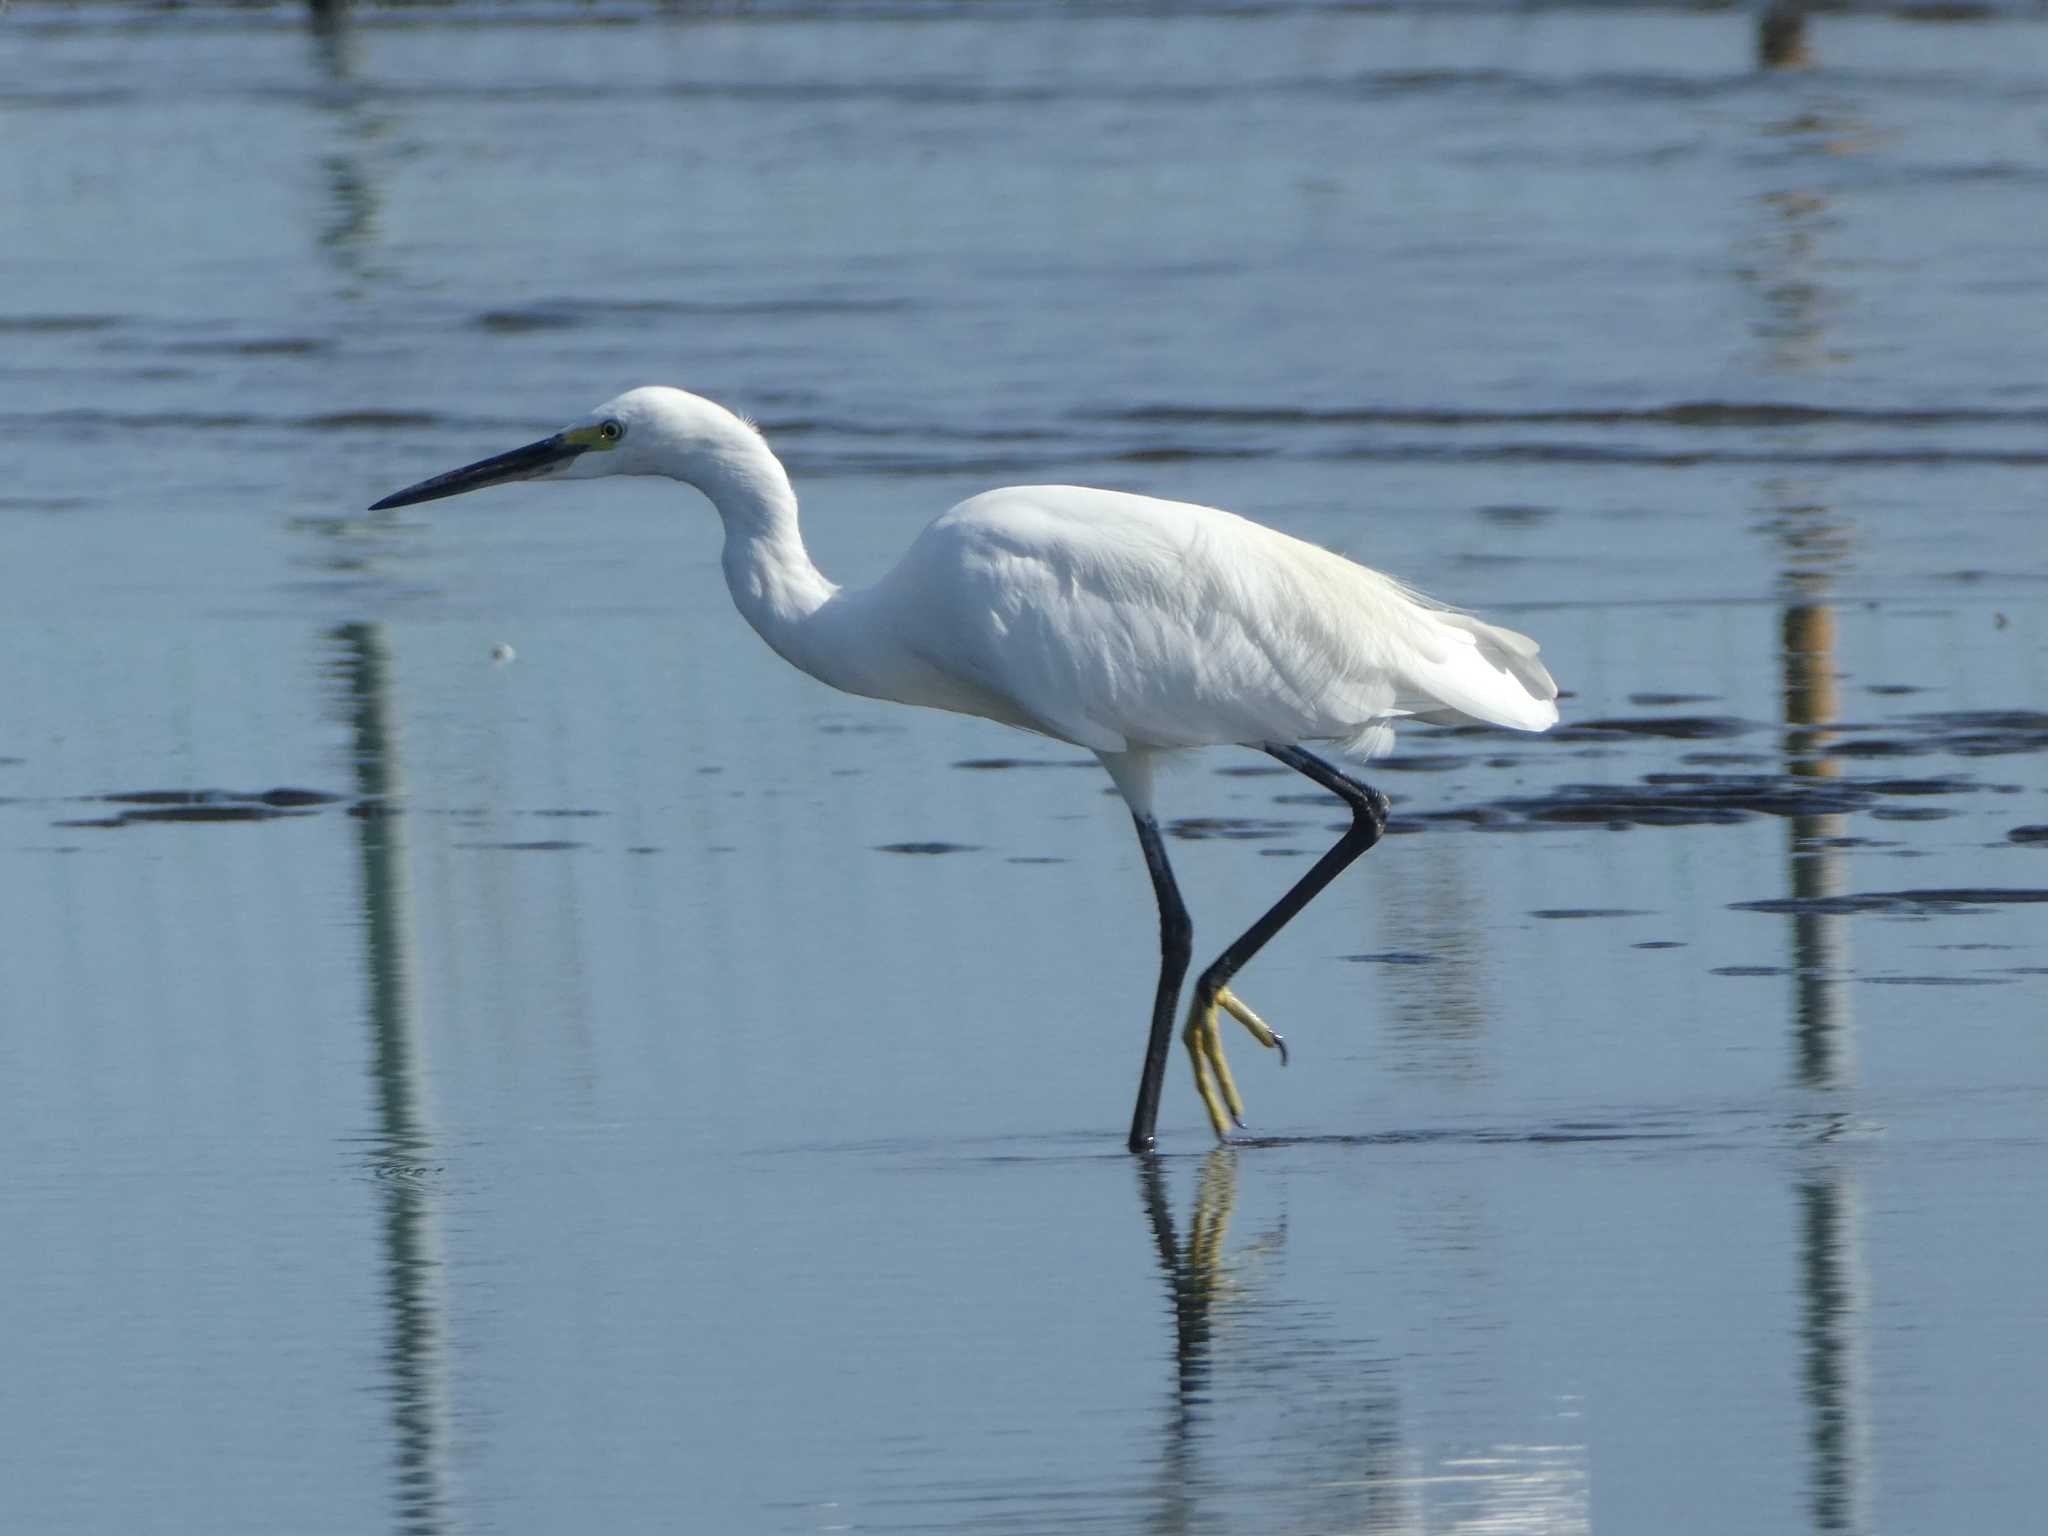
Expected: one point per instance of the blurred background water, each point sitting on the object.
(486, 1047)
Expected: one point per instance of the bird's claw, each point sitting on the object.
(1205, 1050)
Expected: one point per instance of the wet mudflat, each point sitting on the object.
(487, 1047)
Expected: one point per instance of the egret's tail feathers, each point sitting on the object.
(1515, 654)
(1492, 676)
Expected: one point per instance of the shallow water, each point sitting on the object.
(486, 1047)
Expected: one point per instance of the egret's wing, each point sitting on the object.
(1124, 621)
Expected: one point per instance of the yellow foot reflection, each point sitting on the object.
(1205, 1049)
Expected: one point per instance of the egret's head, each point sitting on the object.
(653, 430)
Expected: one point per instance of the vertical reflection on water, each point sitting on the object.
(1353, 1471)
(351, 220)
(1194, 1278)
(1781, 36)
(403, 1147)
(1813, 855)
(1814, 543)
(1830, 1257)
(1831, 1363)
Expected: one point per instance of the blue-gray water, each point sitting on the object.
(561, 1113)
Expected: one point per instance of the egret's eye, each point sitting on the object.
(610, 432)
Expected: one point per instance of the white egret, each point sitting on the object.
(1123, 624)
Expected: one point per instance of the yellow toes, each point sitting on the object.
(1205, 1052)
(1260, 1031)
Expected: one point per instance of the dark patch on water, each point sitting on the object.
(102, 424)
(1690, 799)
(1727, 759)
(1393, 957)
(38, 324)
(264, 346)
(1893, 690)
(539, 845)
(1917, 786)
(1945, 12)
(1565, 912)
(184, 813)
(927, 848)
(205, 805)
(2033, 837)
(1960, 733)
(1669, 700)
(41, 503)
(537, 317)
(1568, 1133)
(566, 813)
(571, 314)
(1420, 763)
(1033, 858)
(1705, 414)
(859, 728)
(279, 798)
(1252, 771)
(1928, 903)
(1748, 970)
(1910, 813)
(1515, 514)
(1664, 727)
(366, 421)
(1237, 828)
(1937, 981)
(1165, 453)
(995, 764)
(1659, 944)
(1878, 746)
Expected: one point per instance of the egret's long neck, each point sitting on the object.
(773, 582)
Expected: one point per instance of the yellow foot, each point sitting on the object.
(1205, 1049)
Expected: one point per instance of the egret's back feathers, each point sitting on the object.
(1123, 622)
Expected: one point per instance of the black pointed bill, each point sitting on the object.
(528, 463)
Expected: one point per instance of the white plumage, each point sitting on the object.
(1124, 624)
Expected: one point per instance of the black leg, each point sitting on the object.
(1368, 821)
(1176, 943)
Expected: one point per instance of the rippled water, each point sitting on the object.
(487, 1047)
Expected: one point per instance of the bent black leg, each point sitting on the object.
(1368, 820)
(1176, 945)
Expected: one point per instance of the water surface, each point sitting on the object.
(487, 1047)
